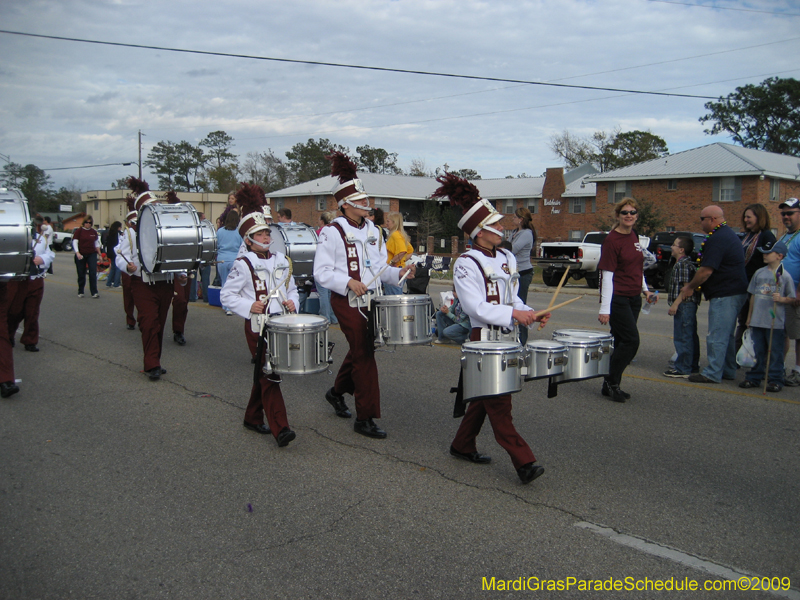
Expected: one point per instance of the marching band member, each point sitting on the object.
(130, 233)
(347, 252)
(180, 301)
(481, 278)
(152, 299)
(26, 295)
(8, 384)
(247, 292)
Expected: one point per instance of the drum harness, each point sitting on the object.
(497, 333)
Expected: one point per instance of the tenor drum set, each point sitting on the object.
(493, 368)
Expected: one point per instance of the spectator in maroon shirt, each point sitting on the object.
(86, 243)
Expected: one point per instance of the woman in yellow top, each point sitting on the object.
(398, 242)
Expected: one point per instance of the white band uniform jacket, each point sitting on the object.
(330, 261)
(237, 290)
(126, 251)
(41, 248)
(471, 288)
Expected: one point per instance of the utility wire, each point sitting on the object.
(350, 66)
(767, 12)
(90, 166)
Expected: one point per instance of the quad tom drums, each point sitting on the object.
(16, 250)
(545, 358)
(606, 341)
(297, 344)
(403, 320)
(491, 368)
(170, 238)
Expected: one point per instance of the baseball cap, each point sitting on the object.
(790, 203)
(771, 246)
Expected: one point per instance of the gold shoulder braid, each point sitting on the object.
(291, 268)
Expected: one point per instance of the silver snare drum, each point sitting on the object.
(583, 359)
(545, 358)
(169, 237)
(606, 343)
(16, 250)
(491, 368)
(298, 242)
(298, 344)
(403, 320)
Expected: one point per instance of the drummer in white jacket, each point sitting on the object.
(483, 279)
(248, 291)
(350, 255)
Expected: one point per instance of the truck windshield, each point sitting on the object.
(594, 238)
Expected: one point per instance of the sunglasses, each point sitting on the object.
(628, 212)
(704, 218)
(788, 213)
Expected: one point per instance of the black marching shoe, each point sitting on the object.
(614, 392)
(155, 373)
(337, 402)
(179, 339)
(31, 348)
(474, 457)
(130, 327)
(263, 428)
(369, 429)
(8, 388)
(285, 436)
(529, 472)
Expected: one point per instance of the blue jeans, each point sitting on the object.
(720, 342)
(223, 269)
(87, 263)
(760, 337)
(684, 335)
(114, 276)
(447, 330)
(325, 304)
(524, 284)
(204, 273)
(392, 290)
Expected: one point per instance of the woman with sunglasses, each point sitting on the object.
(86, 243)
(622, 284)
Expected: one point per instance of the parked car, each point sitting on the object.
(662, 248)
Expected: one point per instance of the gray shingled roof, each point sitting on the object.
(714, 160)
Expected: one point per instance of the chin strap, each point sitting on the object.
(255, 243)
(492, 229)
(358, 206)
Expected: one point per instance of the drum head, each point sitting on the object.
(297, 322)
(277, 239)
(147, 238)
(581, 334)
(546, 346)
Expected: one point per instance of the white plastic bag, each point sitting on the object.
(746, 357)
(447, 299)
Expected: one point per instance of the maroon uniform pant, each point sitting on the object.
(25, 304)
(498, 409)
(6, 353)
(127, 300)
(265, 396)
(358, 374)
(152, 304)
(180, 306)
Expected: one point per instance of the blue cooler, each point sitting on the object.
(213, 295)
(311, 305)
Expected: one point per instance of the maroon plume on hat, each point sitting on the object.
(460, 191)
(172, 198)
(141, 190)
(252, 200)
(350, 186)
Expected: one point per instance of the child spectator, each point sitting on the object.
(452, 324)
(684, 326)
(770, 288)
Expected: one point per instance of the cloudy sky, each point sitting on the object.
(70, 104)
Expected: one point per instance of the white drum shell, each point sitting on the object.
(491, 368)
(169, 237)
(209, 236)
(298, 344)
(16, 251)
(545, 358)
(299, 243)
(606, 339)
(583, 359)
(403, 320)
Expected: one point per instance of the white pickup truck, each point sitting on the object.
(582, 258)
(62, 240)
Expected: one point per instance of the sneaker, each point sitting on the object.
(774, 387)
(700, 378)
(674, 373)
(792, 379)
(80, 295)
(438, 341)
(748, 384)
(95, 295)
(229, 313)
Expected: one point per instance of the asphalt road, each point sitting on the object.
(112, 486)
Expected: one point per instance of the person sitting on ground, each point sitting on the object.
(452, 324)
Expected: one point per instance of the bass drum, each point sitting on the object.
(16, 241)
(298, 242)
(209, 237)
(170, 238)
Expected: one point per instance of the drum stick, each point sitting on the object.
(539, 313)
(395, 259)
(555, 294)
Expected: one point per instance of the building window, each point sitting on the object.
(505, 206)
(97, 204)
(672, 185)
(277, 204)
(727, 189)
(575, 235)
(577, 206)
(322, 203)
(383, 203)
(774, 190)
(620, 191)
(669, 228)
(532, 204)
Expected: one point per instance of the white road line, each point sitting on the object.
(679, 557)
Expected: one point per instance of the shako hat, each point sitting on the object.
(141, 191)
(478, 213)
(350, 187)
(252, 200)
